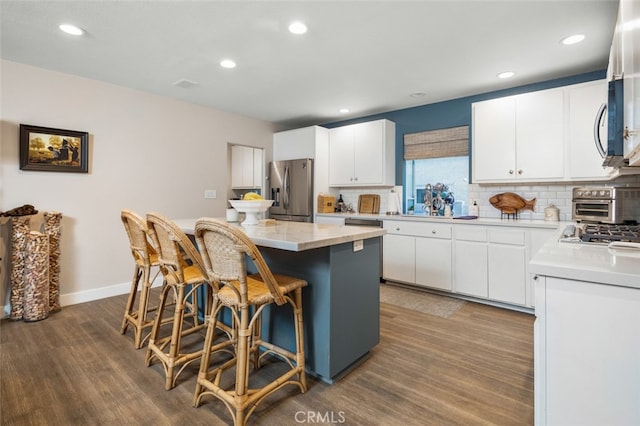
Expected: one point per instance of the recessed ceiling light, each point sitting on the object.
(71, 29)
(227, 63)
(506, 74)
(297, 28)
(418, 94)
(344, 110)
(572, 39)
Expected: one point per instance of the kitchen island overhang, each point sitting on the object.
(341, 304)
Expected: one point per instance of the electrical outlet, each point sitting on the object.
(210, 193)
(358, 245)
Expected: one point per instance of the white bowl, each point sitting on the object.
(251, 208)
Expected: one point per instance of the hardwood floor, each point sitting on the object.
(75, 368)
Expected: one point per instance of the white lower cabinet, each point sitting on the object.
(491, 262)
(506, 265)
(483, 261)
(418, 253)
(587, 348)
(433, 262)
(399, 258)
(470, 260)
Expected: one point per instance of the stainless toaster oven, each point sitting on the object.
(606, 204)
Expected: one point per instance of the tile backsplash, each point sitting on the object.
(350, 195)
(545, 194)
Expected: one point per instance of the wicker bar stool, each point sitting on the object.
(146, 259)
(181, 266)
(225, 250)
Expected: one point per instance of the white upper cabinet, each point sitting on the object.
(299, 143)
(362, 154)
(585, 103)
(257, 168)
(246, 167)
(544, 136)
(539, 135)
(519, 138)
(494, 137)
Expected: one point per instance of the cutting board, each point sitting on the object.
(369, 203)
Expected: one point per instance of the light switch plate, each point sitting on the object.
(358, 245)
(210, 193)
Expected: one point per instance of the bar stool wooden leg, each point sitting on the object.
(299, 330)
(155, 330)
(137, 275)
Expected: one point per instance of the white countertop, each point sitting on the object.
(587, 262)
(296, 236)
(525, 223)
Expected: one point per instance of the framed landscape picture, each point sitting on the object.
(53, 150)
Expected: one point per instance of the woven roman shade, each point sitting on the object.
(451, 142)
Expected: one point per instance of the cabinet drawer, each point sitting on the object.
(418, 229)
(471, 233)
(507, 237)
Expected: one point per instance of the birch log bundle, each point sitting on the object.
(53, 229)
(36, 277)
(35, 268)
(20, 230)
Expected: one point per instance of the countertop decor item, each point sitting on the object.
(510, 203)
(436, 198)
(369, 203)
(326, 203)
(552, 213)
(251, 208)
(394, 205)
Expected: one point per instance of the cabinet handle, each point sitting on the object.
(355, 178)
(520, 171)
(397, 228)
(510, 172)
(433, 231)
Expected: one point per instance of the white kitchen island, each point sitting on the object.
(587, 335)
(341, 304)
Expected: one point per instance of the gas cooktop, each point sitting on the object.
(606, 233)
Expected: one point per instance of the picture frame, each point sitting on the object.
(53, 150)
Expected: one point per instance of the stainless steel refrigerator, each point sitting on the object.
(291, 188)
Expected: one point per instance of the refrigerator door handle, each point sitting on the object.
(286, 188)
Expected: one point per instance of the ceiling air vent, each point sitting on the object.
(184, 83)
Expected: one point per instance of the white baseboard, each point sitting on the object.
(90, 295)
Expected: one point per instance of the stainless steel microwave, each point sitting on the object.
(613, 155)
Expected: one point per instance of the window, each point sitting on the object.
(439, 158)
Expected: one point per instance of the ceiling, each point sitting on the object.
(368, 56)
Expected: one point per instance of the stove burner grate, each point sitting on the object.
(601, 233)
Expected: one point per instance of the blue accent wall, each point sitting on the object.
(452, 113)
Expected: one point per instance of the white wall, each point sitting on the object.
(147, 153)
